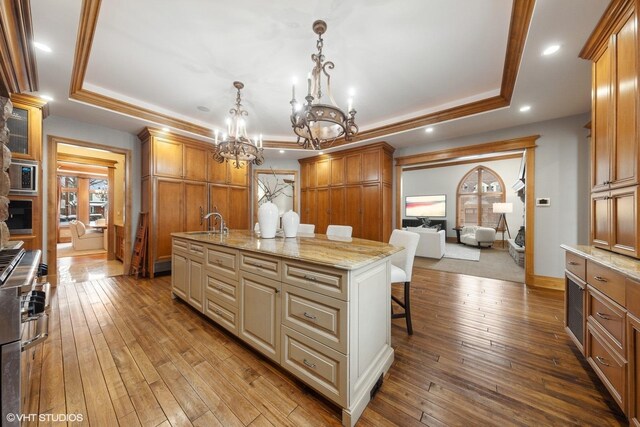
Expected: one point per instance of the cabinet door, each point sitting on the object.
(195, 163)
(353, 168)
(337, 206)
(322, 207)
(216, 172)
(322, 173)
(371, 209)
(624, 155)
(371, 166)
(195, 202)
(218, 200)
(167, 158)
(238, 176)
(308, 207)
(169, 210)
(196, 283)
(633, 374)
(238, 218)
(304, 176)
(602, 122)
(260, 314)
(624, 224)
(353, 215)
(337, 171)
(600, 220)
(179, 279)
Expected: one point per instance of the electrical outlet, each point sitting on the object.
(543, 201)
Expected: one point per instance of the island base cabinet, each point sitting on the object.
(260, 308)
(317, 365)
(179, 275)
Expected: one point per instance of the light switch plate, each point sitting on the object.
(543, 201)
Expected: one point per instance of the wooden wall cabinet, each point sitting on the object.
(25, 143)
(351, 187)
(180, 184)
(615, 158)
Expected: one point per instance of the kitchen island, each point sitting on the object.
(318, 306)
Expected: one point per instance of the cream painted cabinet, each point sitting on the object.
(196, 275)
(260, 314)
(179, 277)
(188, 263)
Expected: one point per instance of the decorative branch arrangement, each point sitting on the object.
(271, 190)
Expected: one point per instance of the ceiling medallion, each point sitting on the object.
(235, 144)
(318, 125)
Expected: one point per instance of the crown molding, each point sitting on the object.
(18, 69)
(611, 18)
(521, 14)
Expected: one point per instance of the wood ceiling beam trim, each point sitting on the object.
(464, 162)
(452, 153)
(86, 160)
(18, 68)
(521, 14)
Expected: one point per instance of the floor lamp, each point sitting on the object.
(503, 209)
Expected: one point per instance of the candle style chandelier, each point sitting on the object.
(235, 144)
(318, 125)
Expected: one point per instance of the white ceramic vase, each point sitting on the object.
(290, 223)
(268, 220)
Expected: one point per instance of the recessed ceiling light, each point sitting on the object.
(281, 151)
(43, 47)
(165, 129)
(550, 50)
(46, 97)
(203, 108)
(429, 130)
(321, 152)
(525, 108)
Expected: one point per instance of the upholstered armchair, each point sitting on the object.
(478, 236)
(431, 243)
(83, 239)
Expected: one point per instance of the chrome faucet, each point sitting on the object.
(217, 215)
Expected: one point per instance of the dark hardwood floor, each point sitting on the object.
(484, 352)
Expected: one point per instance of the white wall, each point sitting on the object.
(68, 128)
(561, 174)
(445, 180)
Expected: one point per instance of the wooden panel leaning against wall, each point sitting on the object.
(349, 187)
(181, 182)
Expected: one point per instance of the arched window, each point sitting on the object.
(478, 190)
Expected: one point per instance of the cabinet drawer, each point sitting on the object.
(182, 245)
(196, 249)
(607, 281)
(317, 316)
(609, 315)
(222, 289)
(320, 367)
(263, 266)
(222, 261)
(610, 367)
(223, 315)
(326, 281)
(576, 265)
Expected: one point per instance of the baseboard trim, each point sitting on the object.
(546, 282)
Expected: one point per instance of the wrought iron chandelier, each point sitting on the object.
(318, 125)
(235, 144)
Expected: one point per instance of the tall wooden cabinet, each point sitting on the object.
(615, 157)
(181, 182)
(25, 144)
(351, 187)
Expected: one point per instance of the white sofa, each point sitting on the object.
(431, 243)
(477, 236)
(84, 239)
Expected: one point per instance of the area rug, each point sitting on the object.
(494, 263)
(457, 251)
(66, 250)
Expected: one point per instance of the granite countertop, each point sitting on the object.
(625, 265)
(338, 252)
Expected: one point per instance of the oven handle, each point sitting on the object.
(42, 332)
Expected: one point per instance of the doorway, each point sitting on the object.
(88, 210)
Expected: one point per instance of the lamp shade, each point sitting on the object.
(502, 207)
